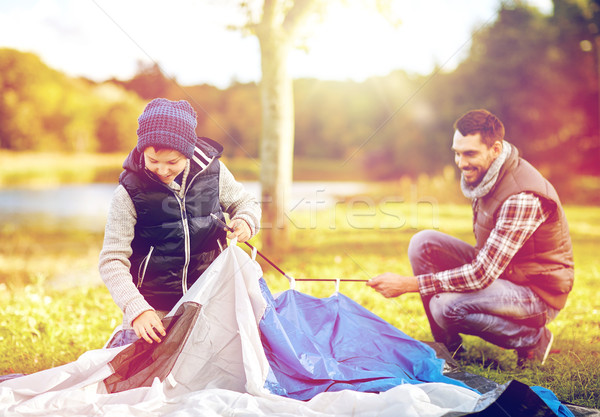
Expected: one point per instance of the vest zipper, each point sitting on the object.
(186, 241)
(143, 267)
(186, 231)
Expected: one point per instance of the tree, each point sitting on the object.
(580, 20)
(22, 77)
(530, 70)
(149, 82)
(116, 127)
(277, 32)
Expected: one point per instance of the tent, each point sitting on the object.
(232, 348)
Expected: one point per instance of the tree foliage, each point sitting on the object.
(531, 70)
(149, 81)
(43, 110)
(538, 72)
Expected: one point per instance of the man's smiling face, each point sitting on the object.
(473, 157)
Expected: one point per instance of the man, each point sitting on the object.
(515, 280)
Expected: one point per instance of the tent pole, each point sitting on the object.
(229, 229)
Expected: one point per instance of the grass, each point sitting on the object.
(44, 324)
(42, 328)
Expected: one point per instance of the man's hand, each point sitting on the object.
(390, 285)
(241, 230)
(147, 324)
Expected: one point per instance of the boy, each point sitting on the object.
(159, 234)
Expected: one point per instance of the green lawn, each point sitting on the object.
(44, 324)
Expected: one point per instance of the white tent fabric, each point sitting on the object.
(221, 370)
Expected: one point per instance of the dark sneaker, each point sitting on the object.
(538, 353)
(456, 349)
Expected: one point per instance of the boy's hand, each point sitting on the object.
(241, 230)
(146, 326)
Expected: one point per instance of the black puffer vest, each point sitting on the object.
(175, 238)
(545, 261)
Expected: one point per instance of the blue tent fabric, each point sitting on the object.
(315, 345)
(552, 401)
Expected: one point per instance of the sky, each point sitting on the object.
(190, 39)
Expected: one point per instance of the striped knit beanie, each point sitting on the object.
(168, 124)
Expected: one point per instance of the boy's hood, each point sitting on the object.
(205, 152)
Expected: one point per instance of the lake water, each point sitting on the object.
(87, 205)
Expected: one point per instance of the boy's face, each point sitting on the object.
(166, 164)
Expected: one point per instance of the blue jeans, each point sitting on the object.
(122, 337)
(506, 314)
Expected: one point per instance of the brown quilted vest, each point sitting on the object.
(545, 261)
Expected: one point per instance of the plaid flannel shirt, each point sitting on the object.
(520, 215)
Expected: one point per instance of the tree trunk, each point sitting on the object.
(277, 141)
